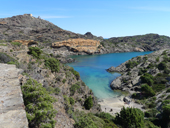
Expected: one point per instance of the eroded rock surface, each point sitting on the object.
(12, 109)
(79, 45)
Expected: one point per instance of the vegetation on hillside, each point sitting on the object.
(39, 105)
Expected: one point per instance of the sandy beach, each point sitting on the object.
(114, 105)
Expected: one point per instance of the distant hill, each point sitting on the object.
(27, 27)
(148, 42)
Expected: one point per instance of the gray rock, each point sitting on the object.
(12, 109)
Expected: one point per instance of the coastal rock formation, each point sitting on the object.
(12, 109)
(132, 70)
(79, 45)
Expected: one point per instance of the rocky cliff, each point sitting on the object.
(12, 108)
(79, 45)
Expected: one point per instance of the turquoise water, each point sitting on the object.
(92, 69)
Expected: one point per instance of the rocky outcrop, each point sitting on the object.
(138, 49)
(79, 45)
(132, 70)
(12, 112)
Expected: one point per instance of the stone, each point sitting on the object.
(12, 109)
(79, 45)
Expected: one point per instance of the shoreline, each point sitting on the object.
(115, 104)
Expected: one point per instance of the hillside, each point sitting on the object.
(27, 28)
(147, 78)
(148, 42)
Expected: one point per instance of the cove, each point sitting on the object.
(92, 69)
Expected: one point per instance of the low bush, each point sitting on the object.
(142, 71)
(4, 58)
(147, 78)
(64, 80)
(16, 43)
(72, 101)
(73, 88)
(158, 87)
(147, 90)
(88, 104)
(130, 118)
(56, 91)
(35, 52)
(53, 64)
(39, 105)
(168, 90)
(75, 73)
(162, 66)
(131, 64)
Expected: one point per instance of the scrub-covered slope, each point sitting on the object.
(147, 79)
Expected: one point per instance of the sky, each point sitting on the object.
(106, 18)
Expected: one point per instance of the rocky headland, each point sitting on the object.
(146, 78)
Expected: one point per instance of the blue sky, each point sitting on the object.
(106, 18)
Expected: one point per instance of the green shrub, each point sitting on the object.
(89, 120)
(39, 105)
(166, 116)
(131, 64)
(165, 102)
(75, 73)
(88, 104)
(64, 80)
(162, 66)
(168, 90)
(147, 78)
(35, 52)
(164, 52)
(130, 118)
(72, 101)
(166, 71)
(16, 43)
(157, 59)
(151, 112)
(149, 124)
(53, 64)
(50, 89)
(142, 71)
(147, 90)
(73, 88)
(158, 87)
(104, 115)
(4, 58)
(57, 91)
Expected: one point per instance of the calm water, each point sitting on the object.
(93, 72)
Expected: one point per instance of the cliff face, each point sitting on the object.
(79, 45)
(12, 109)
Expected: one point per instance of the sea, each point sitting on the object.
(92, 69)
